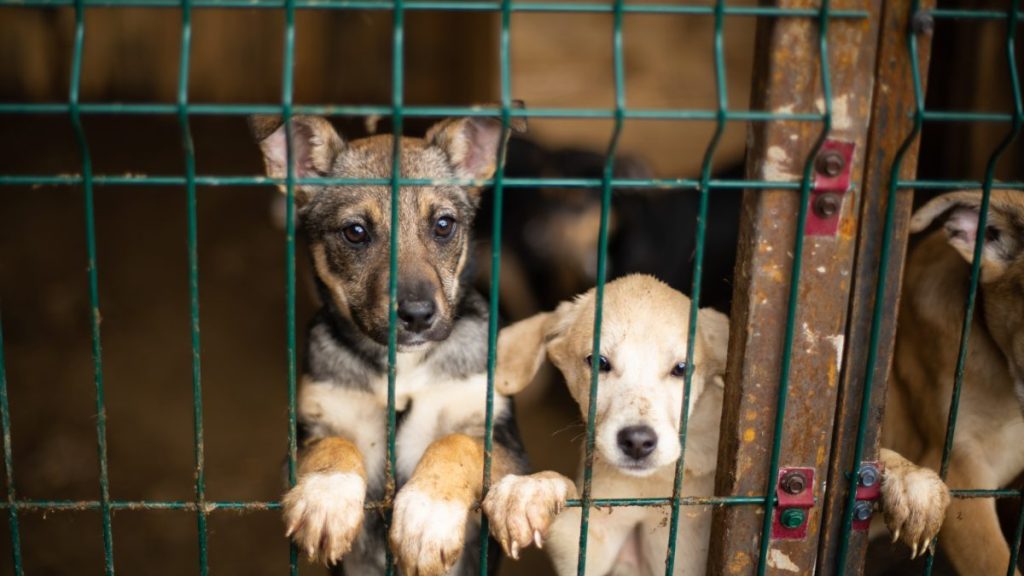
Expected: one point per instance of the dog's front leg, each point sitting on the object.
(914, 501)
(430, 512)
(323, 512)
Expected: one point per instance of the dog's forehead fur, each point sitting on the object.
(372, 158)
(637, 309)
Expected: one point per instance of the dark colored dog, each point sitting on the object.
(550, 235)
(442, 349)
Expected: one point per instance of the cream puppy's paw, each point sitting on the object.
(427, 533)
(520, 508)
(324, 512)
(914, 502)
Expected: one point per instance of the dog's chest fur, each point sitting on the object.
(437, 392)
(430, 409)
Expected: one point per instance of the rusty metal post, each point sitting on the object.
(788, 78)
(890, 127)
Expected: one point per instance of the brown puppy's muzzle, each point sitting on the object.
(421, 318)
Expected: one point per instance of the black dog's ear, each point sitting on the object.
(1004, 230)
(315, 145)
(472, 143)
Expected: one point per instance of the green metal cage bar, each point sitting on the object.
(397, 112)
(498, 192)
(12, 495)
(879, 300)
(698, 264)
(287, 90)
(93, 276)
(193, 282)
(602, 262)
(794, 289)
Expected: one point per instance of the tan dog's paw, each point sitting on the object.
(427, 534)
(323, 514)
(520, 508)
(914, 502)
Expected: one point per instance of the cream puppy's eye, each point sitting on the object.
(603, 365)
(679, 370)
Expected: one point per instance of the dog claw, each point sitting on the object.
(913, 553)
(896, 536)
(514, 553)
(537, 539)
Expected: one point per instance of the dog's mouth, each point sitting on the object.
(639, 468)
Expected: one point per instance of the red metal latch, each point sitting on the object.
(831, 182)
(795, 493)
(869, 490)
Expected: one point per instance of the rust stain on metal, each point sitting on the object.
(788, 78)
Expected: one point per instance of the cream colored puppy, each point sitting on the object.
(640, 395)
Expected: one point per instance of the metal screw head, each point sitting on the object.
(830, 163)
(862, 510)
(792, 518)
(922, 22)
(868, 475)
(827, 205)
(793, 482)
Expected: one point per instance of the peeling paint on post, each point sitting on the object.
(789, 77)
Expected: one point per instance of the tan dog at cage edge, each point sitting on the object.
(441, 350)
(988, 447)
(642, 371)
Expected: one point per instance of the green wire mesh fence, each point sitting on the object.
(821, 16)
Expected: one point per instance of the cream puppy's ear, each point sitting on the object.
(713, 331)
(523, 346)
(521, 350)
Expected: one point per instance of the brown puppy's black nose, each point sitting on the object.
(637, 442)
(416, 315)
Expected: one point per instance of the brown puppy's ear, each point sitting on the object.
(315, 145)
(521, 350)
(472, 143)
(713, 329)
(1004, 231)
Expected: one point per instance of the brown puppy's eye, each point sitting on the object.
(444, 227)
(356, 234)
(603, 365)
(679, 370)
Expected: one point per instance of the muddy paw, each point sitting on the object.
(323, 514)
(914, 502)
(520, 508)
(427, 534)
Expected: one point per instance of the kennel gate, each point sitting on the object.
(837, 110)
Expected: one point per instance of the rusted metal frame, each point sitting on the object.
(787, 77)
(890, 126)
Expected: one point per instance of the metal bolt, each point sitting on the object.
(827, 205)
(830, 163)
(862, 510)
(868, 475)
(793, 482)
(922, 22)
(792, 518)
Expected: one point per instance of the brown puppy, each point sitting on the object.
(988, 449)
(442, 348)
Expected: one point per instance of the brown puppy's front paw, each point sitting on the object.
(520, 508)
(427, 534)
(323, 514)
(914, 502)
